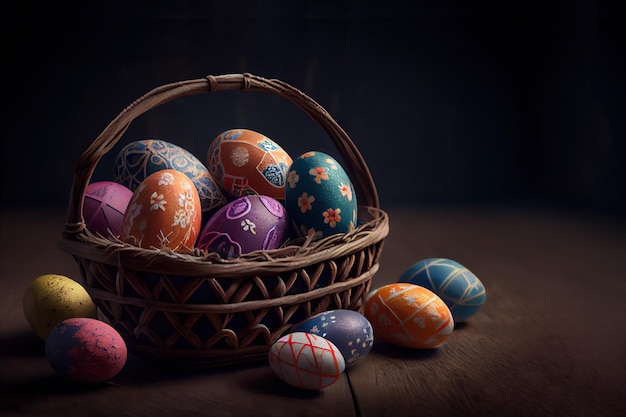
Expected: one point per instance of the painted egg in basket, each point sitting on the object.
(164, 212)
(104, 205)
(244, 225)
(319, 195)
(246, 162)
(137, 160)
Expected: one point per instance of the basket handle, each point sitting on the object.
(86, 164)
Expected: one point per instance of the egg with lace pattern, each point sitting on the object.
(141, 158)
(163, 213)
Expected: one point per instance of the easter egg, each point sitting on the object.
(244, 225)
(137, 160)
(164, 212)
(306, 361)
(104, 205)
(319, 196)
(246, 162)
(456, 285)
(408, 315)
(86, 350)
(52, 298)
(349, 330)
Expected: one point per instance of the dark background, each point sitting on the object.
(450, 102)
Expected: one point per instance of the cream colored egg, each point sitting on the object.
(52, 298)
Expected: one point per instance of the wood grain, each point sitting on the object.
(549, 341)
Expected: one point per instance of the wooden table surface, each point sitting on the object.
(550, 339)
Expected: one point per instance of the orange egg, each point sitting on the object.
(164, 212)
(408, 315)
(245, 162)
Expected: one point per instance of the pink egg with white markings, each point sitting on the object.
(306, 361)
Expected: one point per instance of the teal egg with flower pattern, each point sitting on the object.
(319, 196)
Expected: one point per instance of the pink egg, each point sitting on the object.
(244, 225)
(104, 205)
(86, 350)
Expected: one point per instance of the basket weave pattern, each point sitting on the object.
(198, 309)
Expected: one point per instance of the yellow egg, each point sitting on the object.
(52, 298)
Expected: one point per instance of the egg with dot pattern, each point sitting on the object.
(349, 330)
(457, 286)
(408, 315)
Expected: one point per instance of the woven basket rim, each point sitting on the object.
(261, 262)
(79, 241)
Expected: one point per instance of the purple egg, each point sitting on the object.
(86, 350)
(104, 205)
(247, 224)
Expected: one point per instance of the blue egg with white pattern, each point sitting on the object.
(137, 160)
(319, 196)
(349, 330)
(457, 286)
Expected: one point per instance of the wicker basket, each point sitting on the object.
(199, 310)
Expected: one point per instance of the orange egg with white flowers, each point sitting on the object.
(163, 213)
(409, 315)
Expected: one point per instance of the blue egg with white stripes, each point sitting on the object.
(457, 286)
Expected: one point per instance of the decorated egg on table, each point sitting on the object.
(104, 205)
(51, 298)
(349, 330)
(319, 196)
(137, 160)
(86, 350)
(246, 162)
(306, 361)
(164, 212)
(245, 225)
(456, 285)
(408, 315)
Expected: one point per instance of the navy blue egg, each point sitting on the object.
(457, 286)
(137, 160)
(349, 330)
(319, 196)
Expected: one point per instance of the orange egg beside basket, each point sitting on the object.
(198, 310)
